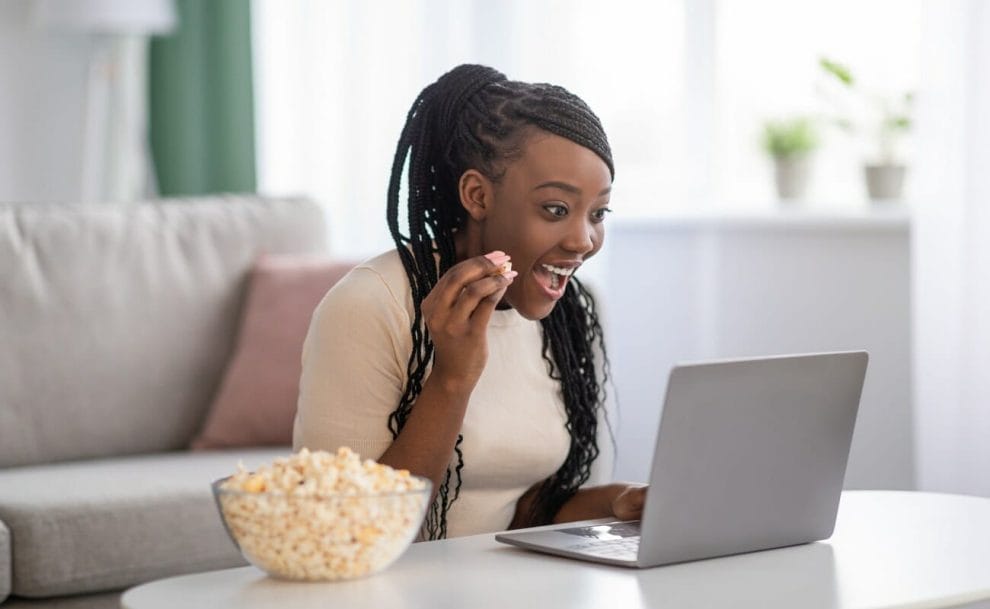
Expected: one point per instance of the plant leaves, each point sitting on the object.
(837, 70)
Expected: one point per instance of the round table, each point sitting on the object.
(889, 549)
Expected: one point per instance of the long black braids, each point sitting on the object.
(473, 117)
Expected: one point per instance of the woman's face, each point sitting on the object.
(547, 213)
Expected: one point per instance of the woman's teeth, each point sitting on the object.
(556, 273)
(558, 270)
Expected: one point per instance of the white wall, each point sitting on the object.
(689, 289)
(42, 92)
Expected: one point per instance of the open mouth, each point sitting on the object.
(553, 279)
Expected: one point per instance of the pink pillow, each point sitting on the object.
(256, 403)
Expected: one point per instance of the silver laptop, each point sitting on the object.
(750, 455)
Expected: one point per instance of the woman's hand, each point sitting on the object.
(619, 500)
(628, 502)
(456, 313)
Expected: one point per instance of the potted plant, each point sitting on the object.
(884, 120)
(790, 143)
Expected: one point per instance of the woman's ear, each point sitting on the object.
(476, 192)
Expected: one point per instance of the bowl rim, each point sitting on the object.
(218, 490)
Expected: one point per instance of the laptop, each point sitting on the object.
(750, 455)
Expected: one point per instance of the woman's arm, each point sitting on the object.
(456, 313)
(354, 361)
(619, 500)
(426, 442)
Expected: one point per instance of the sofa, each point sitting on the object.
(116, 325)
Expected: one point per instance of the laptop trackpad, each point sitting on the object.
(612, 530)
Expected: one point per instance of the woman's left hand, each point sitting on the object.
(628, 503)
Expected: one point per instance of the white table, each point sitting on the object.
(890, 549)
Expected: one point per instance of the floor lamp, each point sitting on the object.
(116, 156)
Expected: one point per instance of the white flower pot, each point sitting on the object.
(791, 175)
(885, 182)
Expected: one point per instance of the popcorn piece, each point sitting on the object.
(254, 484)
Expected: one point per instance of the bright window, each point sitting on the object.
(681, 86)
(767, 55)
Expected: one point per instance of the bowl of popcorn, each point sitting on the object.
(320, 516)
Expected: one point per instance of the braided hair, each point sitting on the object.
(473, 117)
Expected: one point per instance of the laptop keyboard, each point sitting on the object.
(626, 548)
(617, 540)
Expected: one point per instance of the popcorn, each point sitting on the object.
(322, 516)
(504, 269)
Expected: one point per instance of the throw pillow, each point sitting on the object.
(256, 402)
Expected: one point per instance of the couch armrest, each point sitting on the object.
(5, 562)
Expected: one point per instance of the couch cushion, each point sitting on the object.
(116, 321)
(256, 403)
(4, 561)
(105, 524)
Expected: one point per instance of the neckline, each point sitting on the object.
(505, 317)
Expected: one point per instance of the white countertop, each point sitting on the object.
(889, 549)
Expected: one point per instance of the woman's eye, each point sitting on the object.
(599, 214)
(556, 209)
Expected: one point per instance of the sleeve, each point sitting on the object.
(353, 367)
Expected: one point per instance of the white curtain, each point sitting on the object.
(334, 80)
(952, 251)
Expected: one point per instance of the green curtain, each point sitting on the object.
(201, 100)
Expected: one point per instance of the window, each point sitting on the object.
(766, 60)
(681, 86)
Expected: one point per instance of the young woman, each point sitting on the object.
(435, 358)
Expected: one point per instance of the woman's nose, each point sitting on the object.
(580, 238)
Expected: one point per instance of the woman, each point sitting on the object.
(435, 358)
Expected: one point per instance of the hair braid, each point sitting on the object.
(473, 117)
(570, 334)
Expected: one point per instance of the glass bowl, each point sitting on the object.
(321, 537)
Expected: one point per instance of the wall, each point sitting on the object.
(42, 93)
(710, 287)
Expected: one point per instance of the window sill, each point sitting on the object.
(877, 215)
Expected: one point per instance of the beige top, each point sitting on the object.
(354, 374)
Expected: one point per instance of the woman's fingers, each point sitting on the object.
(467, 294)
(449, 288)
(477, 291)
(457, 311)
(473, 306)
(628, 505)
(481, 311)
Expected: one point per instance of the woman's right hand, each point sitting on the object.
(456, 313)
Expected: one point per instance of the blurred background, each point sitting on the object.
(791, 175)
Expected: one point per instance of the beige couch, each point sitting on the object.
(116, 323)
